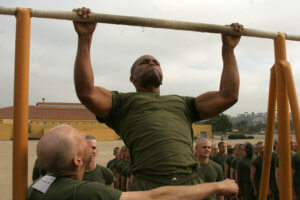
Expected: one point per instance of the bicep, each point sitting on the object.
(212, 103)
(99, 101)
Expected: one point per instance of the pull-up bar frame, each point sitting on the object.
(281, 83)
(148, 22)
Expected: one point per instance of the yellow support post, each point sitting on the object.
(21, 90)
(264, 184)
(292, 95)
(285, 174)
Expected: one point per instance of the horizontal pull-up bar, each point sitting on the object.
(148, 22)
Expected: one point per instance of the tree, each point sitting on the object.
(221, 123)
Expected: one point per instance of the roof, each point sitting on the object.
(53, 111)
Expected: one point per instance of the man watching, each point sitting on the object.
(93, 171)
(210, 171)
(109, 163)
(63, 151)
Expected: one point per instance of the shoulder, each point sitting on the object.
(215, 165)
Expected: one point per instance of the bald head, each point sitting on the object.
(57, 149)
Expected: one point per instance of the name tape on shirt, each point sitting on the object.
(44, 183)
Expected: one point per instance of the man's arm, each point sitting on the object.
(252, 179)
(194, 192)
(97, 99)
(213, 103)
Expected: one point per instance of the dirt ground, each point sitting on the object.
(104, 155)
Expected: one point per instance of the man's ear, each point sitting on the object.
(77, 161)
(131, 79)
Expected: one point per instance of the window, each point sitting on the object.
(53, 123)
(45, 123)
(37, 122)
(69, 123)
(83, 123)
(92, 123)
(76, 123)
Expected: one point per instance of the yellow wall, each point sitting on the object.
(202, 129)
(89, 127)
(6, 131)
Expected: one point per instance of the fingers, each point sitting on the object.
(83, 12)
(237, 27)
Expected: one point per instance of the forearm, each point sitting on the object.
(83, 73)
(229, 85)
(195, 192)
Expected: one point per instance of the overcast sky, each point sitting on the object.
(191, 61)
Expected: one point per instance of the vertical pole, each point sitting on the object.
(264, 184)
(292, 95)
(21, 90)
(285, 174)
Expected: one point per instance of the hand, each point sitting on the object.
(255, 192)
(227, 187)
(84, 28)
(230, 41)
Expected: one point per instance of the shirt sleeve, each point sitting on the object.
(97, 191)
(191, 105)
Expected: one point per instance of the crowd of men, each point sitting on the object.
(244, 163)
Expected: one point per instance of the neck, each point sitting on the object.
(202, 160)
(149, 89)
(90, 166)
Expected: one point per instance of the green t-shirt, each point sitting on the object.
(296, 177)
(65, 188)
(126, 170)
(100, 174)
(220, 159)
(258, 164)
(109, 163)
(211, 172)
(228, 162)
(119, 166)
(243, 169)
(157, 130)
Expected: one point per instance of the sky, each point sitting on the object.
(191, 61)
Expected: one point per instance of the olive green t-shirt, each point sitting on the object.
(64, 188)
(258, 164)
(119, 166)
(109, 163)
(296, 177)
(157, 130)
(126, 170)
(100, 174)
(243, 169)
(211, 172)
(220, 159)
(228, 162)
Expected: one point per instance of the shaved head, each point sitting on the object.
(58, 147)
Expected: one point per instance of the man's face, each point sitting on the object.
(242, 150)
(261, 149)
(147, 72)
(214, 149)
(118, 154)
(85, 149)
(222, 148)
(94, 150)
(204, 149)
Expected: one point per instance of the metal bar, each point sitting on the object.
(148, 22)
(283, 119)
(21, 90)
(264, 183)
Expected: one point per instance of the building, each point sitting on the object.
(45, 115)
